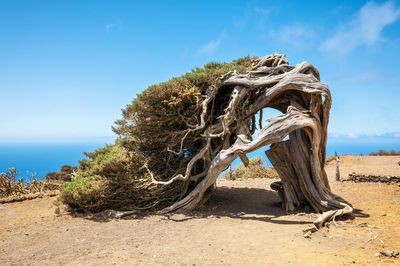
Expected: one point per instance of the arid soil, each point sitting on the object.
(242, 224)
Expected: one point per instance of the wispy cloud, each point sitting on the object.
(297, 34)
(212, 46)
(254, 16)
(359, 78)
(113, 26)
(365, 77)
(338, 10)
(348, 135)
(352, 135)
(110, 27)
(389, 135)
(264, 11)
(364, 28)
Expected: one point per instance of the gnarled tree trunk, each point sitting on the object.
(304, 102)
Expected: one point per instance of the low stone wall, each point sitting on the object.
(373, 178)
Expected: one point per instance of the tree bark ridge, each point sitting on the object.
(304, 102)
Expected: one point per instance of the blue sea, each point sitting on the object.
(343, 145)
(43, 157)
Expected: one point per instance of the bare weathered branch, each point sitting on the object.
(305, 103)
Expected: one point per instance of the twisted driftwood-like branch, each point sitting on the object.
(304, 102)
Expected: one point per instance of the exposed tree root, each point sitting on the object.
(118, 214)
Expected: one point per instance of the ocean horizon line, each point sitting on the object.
(48, 156)
(51, 140)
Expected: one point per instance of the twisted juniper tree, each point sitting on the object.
(178, 136)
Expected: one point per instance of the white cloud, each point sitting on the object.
(333, 134)
(109, 27)
(365, 77)
(113, 26)
(338, 10)
(359, 78)
(212, 46)
(389, 134)
(254, 17)
(263, 11)
(352, 135)
(364, 29)
(295, 33)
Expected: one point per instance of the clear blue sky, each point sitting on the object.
(68, 67)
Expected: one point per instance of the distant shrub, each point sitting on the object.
(256, 169)
(385, 153)
(11, 186)
(68, 169)
(58, 176)
(66, 174)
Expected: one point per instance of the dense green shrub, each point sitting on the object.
(153, 138)
(156, 121)
(255, 169)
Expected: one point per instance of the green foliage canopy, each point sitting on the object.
(157, 135)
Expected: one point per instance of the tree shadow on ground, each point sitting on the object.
(246, 204)
(254, 204)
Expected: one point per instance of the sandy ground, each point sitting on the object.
(242, 224)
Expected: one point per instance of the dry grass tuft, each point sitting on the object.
(13, 188)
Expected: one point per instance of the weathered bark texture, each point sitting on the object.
(304, 102)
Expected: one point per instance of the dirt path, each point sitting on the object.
(242, 224)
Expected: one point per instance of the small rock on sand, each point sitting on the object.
(386, 253)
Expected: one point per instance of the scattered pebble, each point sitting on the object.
(386, 253)
(307, 234)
